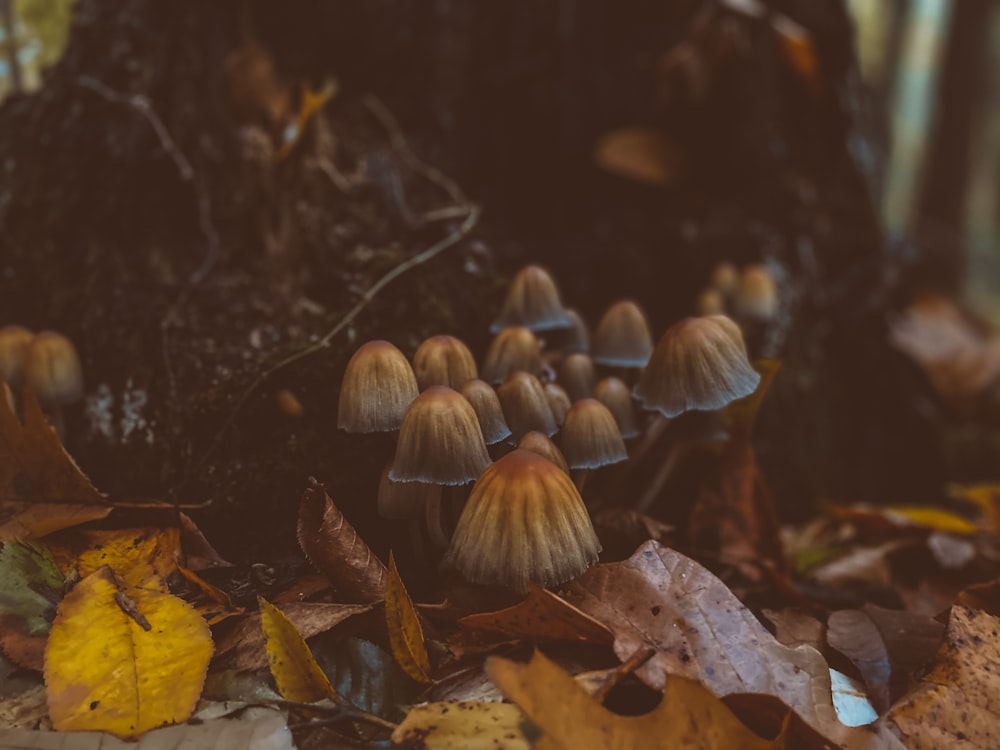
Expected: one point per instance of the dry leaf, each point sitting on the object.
(30, 587)
(642, 154)
(658, 598)
(42, 490)
(406, 636)
(463, 725)
(959, 704)
(542, 616)
(793, 628)
(122, 672)
(139, 557)
(295, 671)
(334, 547)
(688, 717)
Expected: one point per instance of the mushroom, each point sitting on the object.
(377, 389)
(525, 406)
(710, 301)
(558, 400)
(699, 363)
(53, 371)
(576, 376)
(532, 301)
(536, 442)
(512, 349)
(622, 338)
(725, 278)
(486, 404)
(403, 501)
(576, 338)
(443, 360)
(590, 438)
(440, 441)
(523, 523)
(614, 394)
(757, 295)
(14, 344)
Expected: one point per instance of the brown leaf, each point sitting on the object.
(661, 599)
(542, 616)
(41, 488)
(334, 547)
(406, 635)
(887, 646)
(240, 642)
(621, 530)
(26, 650)
(642, 154)
(793, 628)
(959, 703)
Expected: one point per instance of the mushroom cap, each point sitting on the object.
(532, 301)
(53, 369)
(525, 405)
(590, 438)
(403, 501)
(486, 404)
(439, 441)
(536, 442)
(623, 338)
(725, 278)
(559, 401)
(512, 349)
(699, 363)
(615, 394)
(576, 338)
(443, 360)
(576, 375)
(377, 389)
(710, 301)
(757, 295)
(14, 344)
(523, 523)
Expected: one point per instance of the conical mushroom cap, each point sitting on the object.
(377, 389)
(512, 349)
(403, 501)
(15, 342)
(699, 363)
(725, 278)
(710, 301)
(558, 401)
(523, 523)
(532, 301)
(757, 295)
(525, 406)
(577, 376)
(590, 438)
(623, 338)
(443, 360)
(486, 404)
(536, 442)
(439, 441)
(576, 338)
(53, 369)
(614, 394)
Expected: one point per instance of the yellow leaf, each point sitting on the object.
(112, 671)
(688, 718)
(293, 667)
(406, 637)
(463, 725)
(139, 557)
(985, 496)
(932, 518)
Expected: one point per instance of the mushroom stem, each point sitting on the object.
(417, 541)
(579, 477)
(653, 433)
(435, 522)
(674, 456)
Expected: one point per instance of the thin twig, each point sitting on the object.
(337, 711)
(639, 657)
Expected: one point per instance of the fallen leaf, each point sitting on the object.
(240, 642)
(139, 557)
(699, 629)
(24, 710)
(959, 703)
(463, 725)
(105, 671)
(638, 153)
(334, 547)
(542, 616)
(406, 636)
(42, 489)
(688, 717)
(793, 627)
(30, 587)
(198, 553)
(212, 603)
(621, 530)
(365, 676)
(293, 667)
(771, 719)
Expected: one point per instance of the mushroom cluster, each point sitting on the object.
(45, 362)
(549, 404)
(750, 295)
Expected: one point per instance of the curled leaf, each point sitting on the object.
(406, 636)
(295, 671)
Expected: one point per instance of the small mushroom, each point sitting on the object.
(710, 301)
(486, 404)
(378, 388)
(623, 338)
(577, 376)
(725, 278)
(15, 342)
(757, 295)
(699, 363)
(559, 401)
(614, 394)
(525, 406)
(512, 349)
(524, 522)
(536, 442)
(54, 373)
(590, 438)
(443, 360)
(532, 301)
(576, 338)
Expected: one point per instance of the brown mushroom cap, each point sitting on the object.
(403, 501)
(615, 394)
(439, 441)
(53, 369)
(757, 295)
(523, 523)
(699, 363)
(536, 442)
(486, 404)
(559, 401)
(532, 301)
(576, 338)
(623, 338)
(377, 389)
(710, 301)
(577, 376)
(525, 405)
(512, 349)
(15, 342)
(590, 438)
(725, 278)
(443, 360)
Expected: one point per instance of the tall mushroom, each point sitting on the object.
(532, 301)
(512, 349)
(378, 388)
(54, 373)
(622, 338)
(525, 406)
(443, 360)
